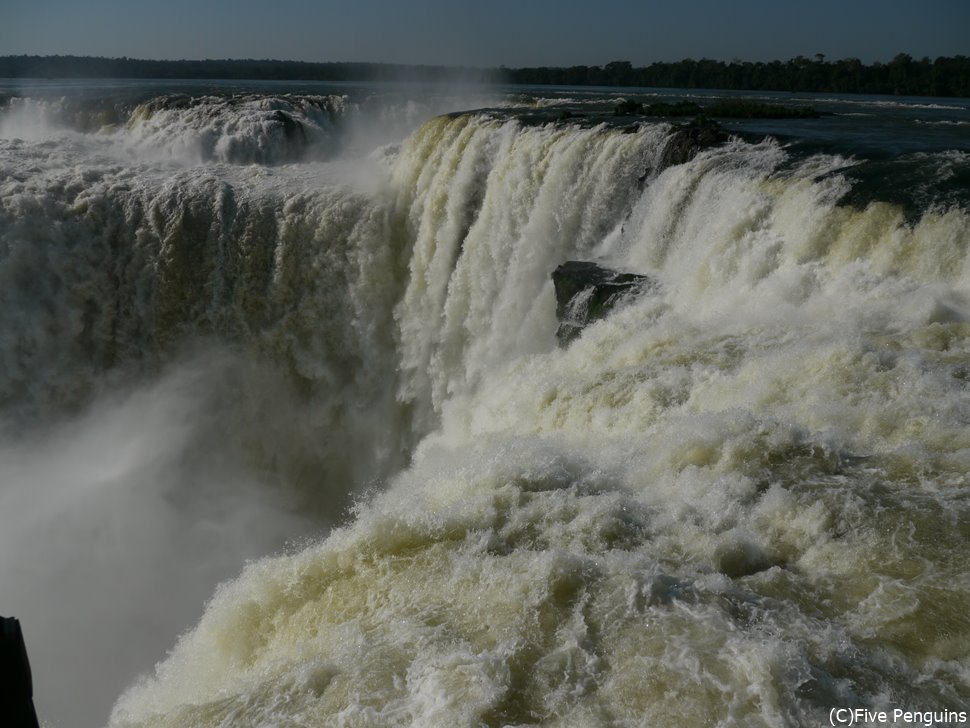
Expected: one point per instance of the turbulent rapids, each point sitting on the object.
(230, 322)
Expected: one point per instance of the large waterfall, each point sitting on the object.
(739, 499)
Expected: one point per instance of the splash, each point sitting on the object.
(734, 501)
(738, 499)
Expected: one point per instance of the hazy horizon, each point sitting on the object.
(251, 59)
(432, 32)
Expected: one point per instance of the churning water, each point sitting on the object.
(314, 329)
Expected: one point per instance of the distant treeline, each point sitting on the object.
(945, 76)
(250, 70)
(903, 75)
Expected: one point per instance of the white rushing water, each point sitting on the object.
(739, 500)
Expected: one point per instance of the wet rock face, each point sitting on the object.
(688, 139)
(16, 687)
(587, 292)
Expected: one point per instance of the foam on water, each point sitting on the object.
(740, 499)
(737, 502)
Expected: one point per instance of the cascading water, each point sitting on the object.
(739, 499)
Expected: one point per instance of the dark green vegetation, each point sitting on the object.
(248, 70)
(725, 109)
(903, 75)
(945, 76)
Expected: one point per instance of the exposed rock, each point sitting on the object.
(586, 292)
(688, 139)
(679, 108)
(16, 687)
(292, 129)
(745, 109)
(628, 108)
(723, 109)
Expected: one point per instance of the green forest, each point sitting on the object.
(250, 70)
(944, 76)
(903, 75)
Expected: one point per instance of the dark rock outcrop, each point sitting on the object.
(723, 109)
(678, 108)
(16, 687)
(745, 109)
(628, 108)
(688, 139)
(292, 129)
(586, 292)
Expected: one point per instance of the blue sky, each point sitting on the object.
(509, 32)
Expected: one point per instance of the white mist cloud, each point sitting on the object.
(115, 528)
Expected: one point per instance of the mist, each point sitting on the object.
(131, 487)
(116, 524)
